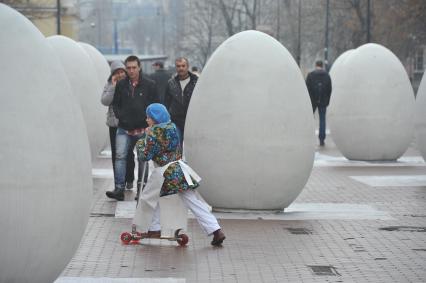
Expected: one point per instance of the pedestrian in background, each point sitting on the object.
(179, 93)
(319, 87)
(195, 71)
(118, 72)
(160, 77)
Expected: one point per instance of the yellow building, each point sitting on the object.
(43, 14)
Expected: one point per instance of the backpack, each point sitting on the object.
(318, 89)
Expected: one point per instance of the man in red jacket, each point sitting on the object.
(131, 98)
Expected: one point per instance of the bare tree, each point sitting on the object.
(251, 10)
(228, 13)
(200, 40)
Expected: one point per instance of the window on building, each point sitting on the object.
(419, 60)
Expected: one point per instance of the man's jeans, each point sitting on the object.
(123, 142)
(130, 163)
(322, 113)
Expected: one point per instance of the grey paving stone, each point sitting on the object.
(117, 280)
(393, 181)
(381, 241)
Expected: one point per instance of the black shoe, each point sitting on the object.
(129, 185)
(117, 194)
(218, 238)
(322, 143)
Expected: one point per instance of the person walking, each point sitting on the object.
(195, 71)
(131, 97)
(160, 77)
(118, 72)
(179, 93)
(171, 176)
(319, 87)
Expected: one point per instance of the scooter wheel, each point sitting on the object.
(136, 238)
(182, 240)
(126, 238)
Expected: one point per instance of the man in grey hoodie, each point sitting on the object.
(118, 72)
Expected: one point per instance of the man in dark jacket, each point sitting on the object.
(179, 92)
(160, 77)
(319, 86)
(131, 98)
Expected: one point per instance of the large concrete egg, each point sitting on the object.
(45, 176)
(249, 128)
(371, 105)
(420, 117)
(85, 85)
(99, 62)
(339, 62)
(336, 68)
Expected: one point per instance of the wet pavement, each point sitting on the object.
(354, 222)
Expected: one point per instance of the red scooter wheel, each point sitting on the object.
(182, 240)
(126, 238)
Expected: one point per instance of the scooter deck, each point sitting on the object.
(134, 237)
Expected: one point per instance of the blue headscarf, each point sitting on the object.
(158, 113)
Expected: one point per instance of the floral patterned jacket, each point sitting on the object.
(161, 145)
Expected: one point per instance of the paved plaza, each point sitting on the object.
(354, 222)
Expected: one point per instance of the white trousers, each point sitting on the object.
(205, 218)
(174, 215)
(174, 209)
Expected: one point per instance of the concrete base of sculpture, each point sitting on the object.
(420, 118)
(249, 128)
(45, 180)
(372, 104)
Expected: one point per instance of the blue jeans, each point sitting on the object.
(321, 112)
(123, 143)
(130, 164)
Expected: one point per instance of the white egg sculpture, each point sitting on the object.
(372, 105)
(99, 62)
(339, 62)
(335, 69)
(85, 85)
(249, 128)
(420, 117)
(45, 176)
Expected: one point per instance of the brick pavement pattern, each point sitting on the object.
(332, 250)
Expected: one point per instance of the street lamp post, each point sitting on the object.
(327, 12)
(278, 19)
(115, 37)
(162, 17)
(299, 32)
(368, 22)
(58, 16)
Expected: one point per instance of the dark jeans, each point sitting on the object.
(180, 135)
(130, 161)
(321, 112)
